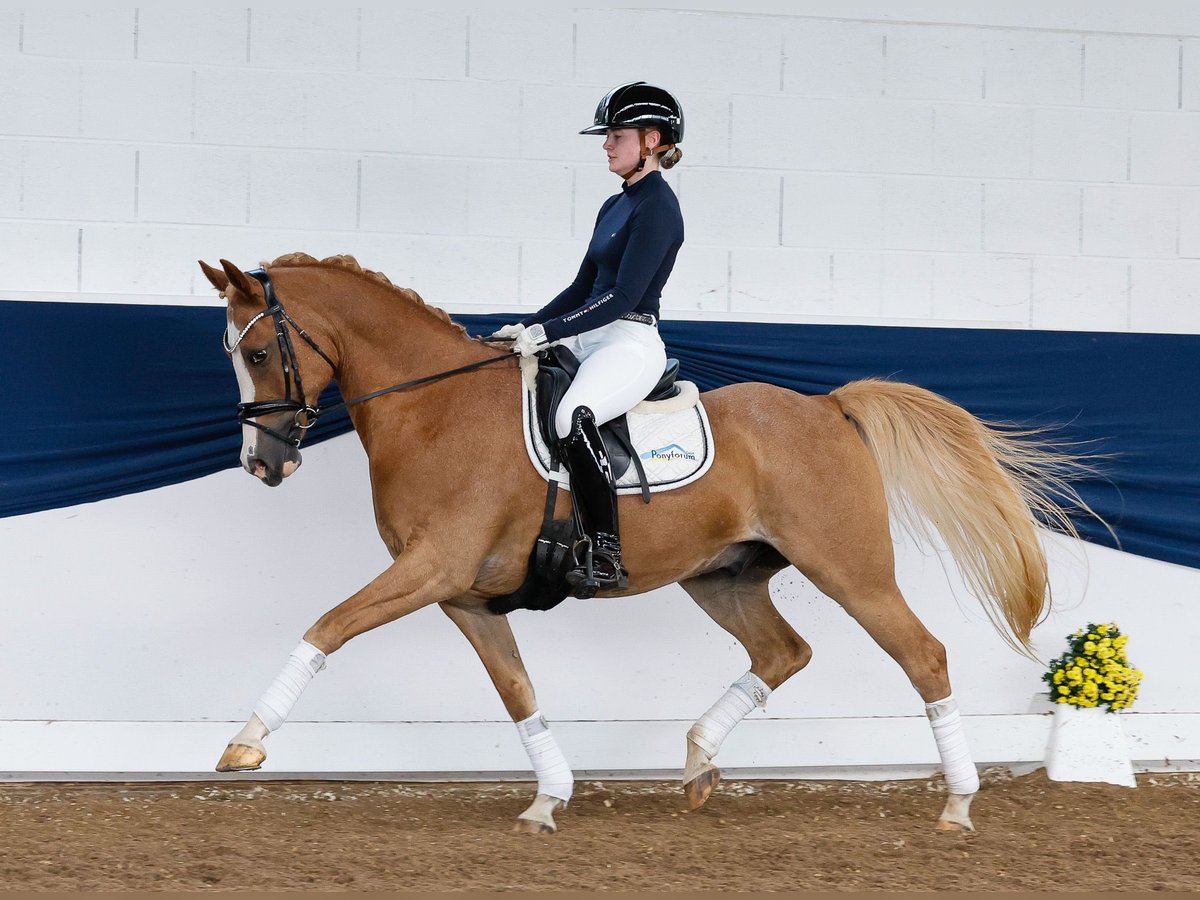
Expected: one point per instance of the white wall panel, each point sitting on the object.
(71, 31)
(419, 41)
(40, 96)
(730, 209)
(700, 281)
(932, 214)
(39, 257)
(299, 36)
(193, 185)
(304, 190)
(856, 283)
(989, 288)
(1130, 220)
(838, 135)
(907, 285)
(551, 117)
(10, 30)
(535, 48)
(76, 181)
(1033, 68)
(11, 154)
(833, 59)
(832, 210)
(547, 267)
(1080, 144)
(349, 112)
(467, 118)
(787, 281)
(1028, 217)
(414, 195)
(518, 203)
(714, 53)
(212, 35)
(136, 101)
(929, 62)
(1165, 296)
(1069, 291)
(1163, 148)
(1131, 72)
(1189, 223)
(981, 140)
(480, 270)
(1190, 76)
(707, 132)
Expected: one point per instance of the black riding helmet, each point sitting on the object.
(639, 105)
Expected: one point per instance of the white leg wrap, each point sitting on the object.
(743, 696)
(957, 765)
(553, 774)
(276, 704)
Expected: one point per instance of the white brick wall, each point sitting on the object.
(1016, 169)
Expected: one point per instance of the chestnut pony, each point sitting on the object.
(796, 480)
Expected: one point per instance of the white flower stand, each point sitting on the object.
(1088, 745)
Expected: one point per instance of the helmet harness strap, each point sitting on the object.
(646, 152)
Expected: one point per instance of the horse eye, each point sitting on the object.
(258, 357)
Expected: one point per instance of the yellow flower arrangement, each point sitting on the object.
(1094, 671)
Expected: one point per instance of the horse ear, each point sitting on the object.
(216, 277)
(237, 278)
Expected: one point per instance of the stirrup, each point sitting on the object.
(585, 580)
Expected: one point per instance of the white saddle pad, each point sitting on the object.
(672, 437)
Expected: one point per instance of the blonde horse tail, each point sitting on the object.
(984, 490)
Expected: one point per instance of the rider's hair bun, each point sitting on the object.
(670, 159)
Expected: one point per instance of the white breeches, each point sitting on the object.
(621, 363)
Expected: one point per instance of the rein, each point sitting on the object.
(306, 416)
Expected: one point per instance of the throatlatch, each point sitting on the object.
(594, 498)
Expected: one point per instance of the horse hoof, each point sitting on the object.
(529, 826)
(242, 758)
(699, 788)
(948, 827)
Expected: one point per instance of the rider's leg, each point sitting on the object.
(594, 497)
(621, 363)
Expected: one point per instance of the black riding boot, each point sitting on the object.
(594, 498)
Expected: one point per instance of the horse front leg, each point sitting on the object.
(493, 640)
(411, 582)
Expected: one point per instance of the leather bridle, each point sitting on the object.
(306, 415)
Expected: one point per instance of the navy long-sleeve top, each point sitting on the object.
(638, 234)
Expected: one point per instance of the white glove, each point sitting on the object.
(507, 333)
(530, 341)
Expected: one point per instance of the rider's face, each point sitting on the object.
(623, 149)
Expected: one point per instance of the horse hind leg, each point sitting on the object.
(858, 574)
(739, 601)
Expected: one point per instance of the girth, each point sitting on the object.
(556, 369)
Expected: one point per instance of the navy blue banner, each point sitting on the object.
(104, 400)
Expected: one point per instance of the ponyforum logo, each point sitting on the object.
(669, 453)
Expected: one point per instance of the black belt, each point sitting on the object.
(642, 318)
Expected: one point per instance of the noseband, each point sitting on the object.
(306, 416)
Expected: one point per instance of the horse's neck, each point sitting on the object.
(386, 338)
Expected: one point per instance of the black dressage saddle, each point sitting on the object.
(556, 369)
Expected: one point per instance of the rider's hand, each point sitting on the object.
(507, 333)
(530, 341)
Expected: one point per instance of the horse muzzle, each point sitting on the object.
(271, 461)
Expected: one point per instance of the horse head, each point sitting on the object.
(277, 404)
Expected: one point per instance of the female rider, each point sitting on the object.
(608, 315)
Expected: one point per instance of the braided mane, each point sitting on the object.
(348, 263)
